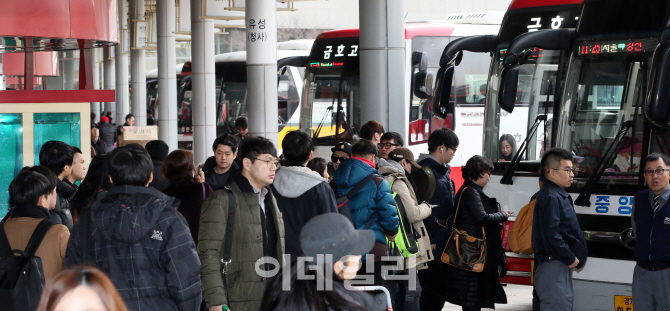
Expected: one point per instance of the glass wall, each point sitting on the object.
(11, 154)
(65, 127)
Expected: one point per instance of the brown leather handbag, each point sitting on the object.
(464, 251)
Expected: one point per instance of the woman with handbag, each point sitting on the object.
(186, 185)
(469, 284)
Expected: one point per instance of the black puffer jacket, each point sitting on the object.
(145, 247)
(108, 135)
(62, 214)
(481, 289)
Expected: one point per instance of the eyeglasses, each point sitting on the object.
(453, 148)
(489, 173)
(658, 171)
(386, 145)
(336, 159)
(269, 163)
(568, 170)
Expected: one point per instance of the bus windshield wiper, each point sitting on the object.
(323, 119)
(584, 198)
(507, 178)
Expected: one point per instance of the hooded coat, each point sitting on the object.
(301, 194)
(416, 212)
(368, 200)
(145, 247)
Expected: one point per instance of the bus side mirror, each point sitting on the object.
(423, 84)
(509, 83)
(423, 80)
(442, 104)
(657, 109)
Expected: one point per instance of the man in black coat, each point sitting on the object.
(58, 157)
(139, 239)
(442, 146)
(301, 193)
(130, 121)
(220, 168)
(557, 238)
(98, 144)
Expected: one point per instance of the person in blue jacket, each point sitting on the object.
(375, 199)
(557, 238)
(651, 227)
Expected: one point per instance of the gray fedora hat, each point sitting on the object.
(334, 234)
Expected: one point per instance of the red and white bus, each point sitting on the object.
(538, 83)
(331, 105)
(613, 63)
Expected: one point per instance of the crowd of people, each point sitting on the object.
(149, 229)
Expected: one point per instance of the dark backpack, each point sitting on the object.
(22, 277)
(343, 201)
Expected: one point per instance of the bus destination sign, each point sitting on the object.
(632, 46)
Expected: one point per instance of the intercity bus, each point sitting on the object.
(331, 106)
(611, 111)
(231, 90)
(538, 82)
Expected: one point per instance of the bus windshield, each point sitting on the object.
(536, 89)
(603, 92)
(535, 96)
(331, 92)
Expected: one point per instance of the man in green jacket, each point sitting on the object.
(258, 231)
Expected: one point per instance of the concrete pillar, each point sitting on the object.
(68, 70)
(261, 38)
(138, 77)
(203, 83)
(95, 59)
(121, 63)
(109, 76)
(167, 81)
(382, 59)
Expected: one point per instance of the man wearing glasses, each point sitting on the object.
(557, 238)
(258, 230)
(651, 227)
(389, 141)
